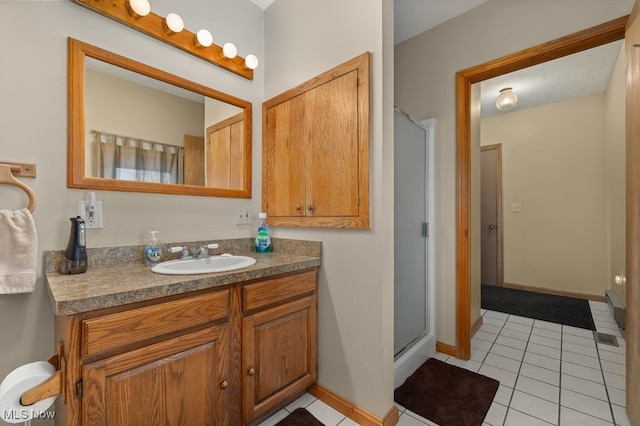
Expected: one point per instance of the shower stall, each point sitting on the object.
(414, 317)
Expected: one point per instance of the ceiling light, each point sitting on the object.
(174, 23)
(229, 50)
(251, 62)
(204, 38)
(138, 8)
(507, 99)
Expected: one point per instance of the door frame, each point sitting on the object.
(582, 40)
(499, 229)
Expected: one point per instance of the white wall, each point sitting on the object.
(33, 121)
(425, 68)
(615, 175)
(553, 163)
(303, 39)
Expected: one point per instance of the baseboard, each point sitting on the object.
(446, 349)
(355, 413)
(476, 326)
(543, 290)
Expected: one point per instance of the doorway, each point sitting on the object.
(491, 257)
(592, 37)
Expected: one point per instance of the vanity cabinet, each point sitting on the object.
(228, 355)
(316, 150)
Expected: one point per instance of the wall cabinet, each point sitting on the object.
(316, 150)
(224, 356)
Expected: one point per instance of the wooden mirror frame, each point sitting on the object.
(76, 178)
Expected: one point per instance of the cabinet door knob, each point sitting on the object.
(309, 207)
(298, 207)
(224, 384)
(252, 371)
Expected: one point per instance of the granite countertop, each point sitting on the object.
(118, 275)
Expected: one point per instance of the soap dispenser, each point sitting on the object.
(75, 255)
(152, 252)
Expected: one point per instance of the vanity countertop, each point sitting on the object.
(119, 275)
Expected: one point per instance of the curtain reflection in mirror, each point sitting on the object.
(126, 158)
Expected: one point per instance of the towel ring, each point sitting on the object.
(7, 177)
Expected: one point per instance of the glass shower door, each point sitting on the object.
(410, 242)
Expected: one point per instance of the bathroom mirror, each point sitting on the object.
(136, 128)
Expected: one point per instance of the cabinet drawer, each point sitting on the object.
(112, 331)
(278, 290)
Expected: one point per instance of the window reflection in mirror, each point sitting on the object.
(149, 131)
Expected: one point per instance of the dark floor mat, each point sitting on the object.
(447, 395)
(559, 309)
(300, 417)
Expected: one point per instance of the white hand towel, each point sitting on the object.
(18, 251)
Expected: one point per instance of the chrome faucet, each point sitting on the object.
(196, 252)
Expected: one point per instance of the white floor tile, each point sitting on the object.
(516, 418)
(617, 396)
(542, 374)
(586, 387)
(483, 335)
(407, 420)
(615, 381)
(613, 367)
(545, 341)
(301, 402)
(616, 357)
(478, 355)
(511, 342)
(620, 350)
(421, 420)
(499, 361)
(481, 344)
(508, 352)
(580, 349)
(547, 325)
(542, 361)
(587, 361)
(496, 414)
(534, 406)
(543, 350)
(503, 395)
(582, 371)
(518, 327)
(271, 421)
(576, 331)
(521, 320)
(549, 334)
(470, 365)
(347, 422)
(586, 404)
(324, 413)
(579, 340)
(539, 389)
(569, 417)
(494, 329)
(514, 334)
(620, 416)
(496, 315)
(505, 377)
(440, 356)
(493, 321)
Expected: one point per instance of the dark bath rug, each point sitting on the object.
(300, 417)
(447, 395)
(547, 307)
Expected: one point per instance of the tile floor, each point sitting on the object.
(549, 374)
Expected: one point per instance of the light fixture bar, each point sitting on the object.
(153, 25)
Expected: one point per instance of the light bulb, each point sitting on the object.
(138, 8)
(251, 61)
(174, 23)
(229, 50)
(507, 99)
(204, 38)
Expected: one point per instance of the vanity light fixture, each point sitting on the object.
(137, 15)
(507, 99)
(138, 8)
(229, 50)
(173, 24)
(203, 38)
(251, 62)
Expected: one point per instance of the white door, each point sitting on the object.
(410, 242)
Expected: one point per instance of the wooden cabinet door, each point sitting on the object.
(180, 381)
(279, 355)
(331, 181)
(226, 153)
(284, 160)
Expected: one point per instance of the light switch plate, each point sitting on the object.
(243, 215)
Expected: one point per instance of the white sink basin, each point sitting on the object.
(222, 263)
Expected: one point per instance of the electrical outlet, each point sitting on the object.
(92, 216)
(243, 215)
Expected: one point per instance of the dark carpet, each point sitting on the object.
(446, 394)
(300, 417)
(548, 307)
